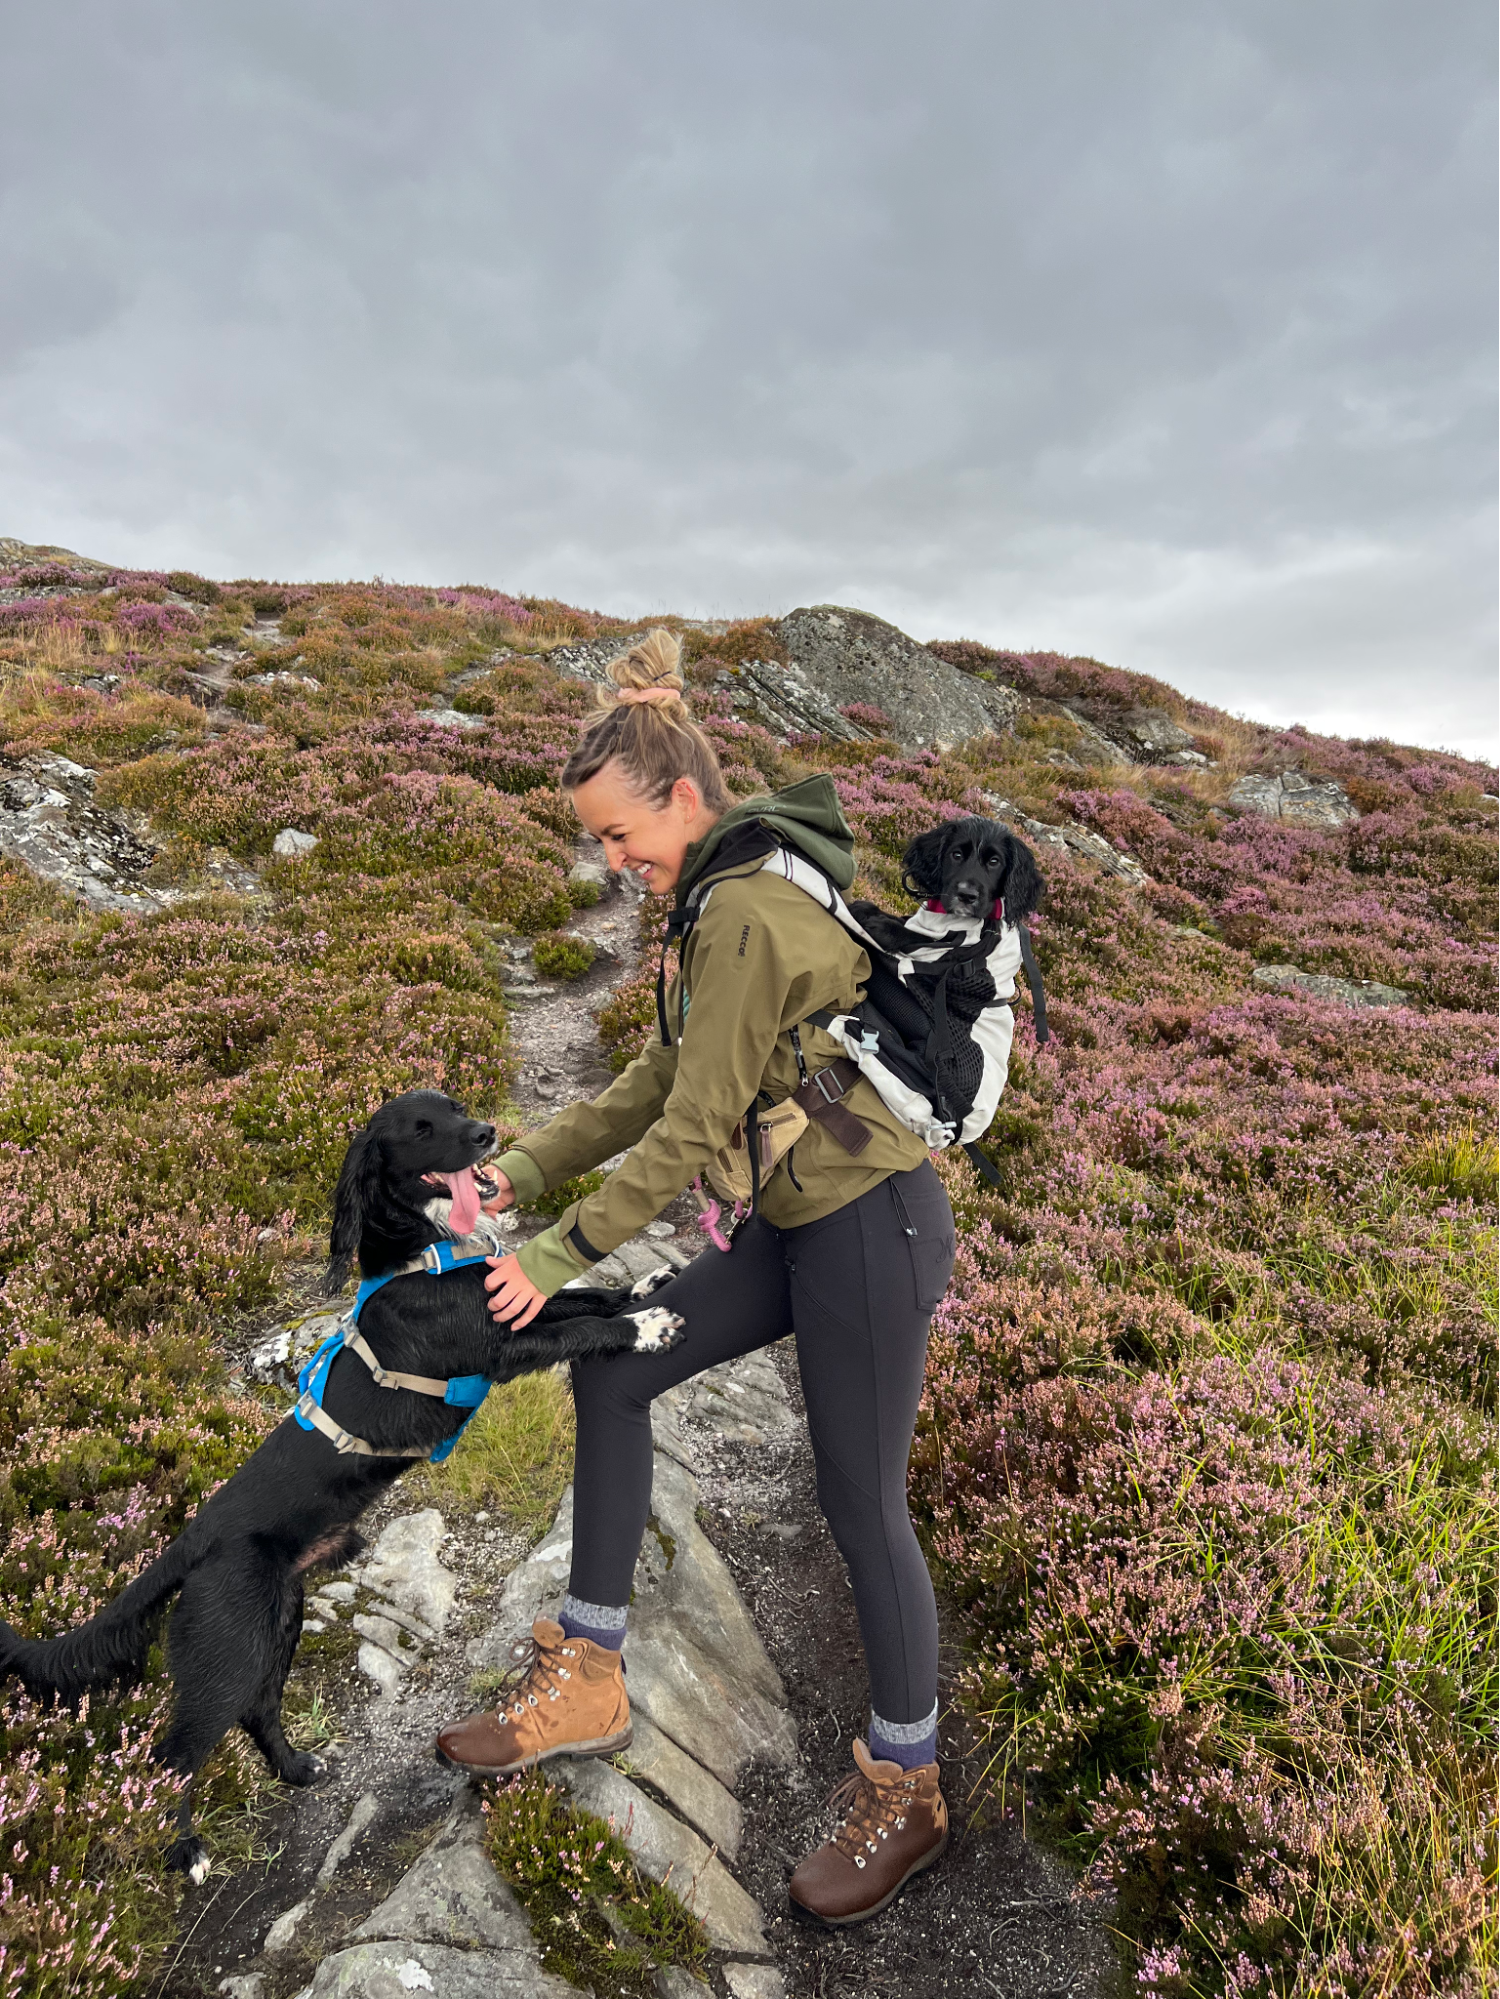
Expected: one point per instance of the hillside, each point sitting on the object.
(1206, 1459)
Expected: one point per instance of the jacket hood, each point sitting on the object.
(807, 816)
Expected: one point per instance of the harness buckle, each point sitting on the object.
(431, 1261)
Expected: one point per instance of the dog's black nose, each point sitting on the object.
(484, 1134)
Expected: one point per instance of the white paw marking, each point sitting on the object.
(318, 1763)
(655, 1329)
(198, 1872)
(652, 1281)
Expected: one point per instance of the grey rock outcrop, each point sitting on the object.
(399, 1970)
(1343, 992)
(848, 658)
(1072, 838)
(840, 658)
(1295, 799)
(51, 825)
(414, 1594)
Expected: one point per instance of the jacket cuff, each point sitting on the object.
(523, 1173)
(548, 1261)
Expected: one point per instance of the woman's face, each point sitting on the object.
(651, 840)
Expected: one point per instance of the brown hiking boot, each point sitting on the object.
(566, 1698)
(895, 1824)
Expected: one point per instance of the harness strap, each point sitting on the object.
(389, 1377)
(822, 1097)
(313, 1416)
(460, 1391)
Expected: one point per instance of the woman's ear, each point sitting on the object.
(1021, 886)
(921, 864)
(353, 1198)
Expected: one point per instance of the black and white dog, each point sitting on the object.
(967, 868)
(412, 1177)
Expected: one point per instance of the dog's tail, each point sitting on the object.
(110, 1650)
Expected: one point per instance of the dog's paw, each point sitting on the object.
(189, 1856)
(305, 1769)
(652, 1281)
(656, 1331)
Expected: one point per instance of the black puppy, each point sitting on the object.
(967, 867)
(408, 1180)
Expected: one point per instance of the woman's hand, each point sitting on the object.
(514, 1299)
(503, 1197)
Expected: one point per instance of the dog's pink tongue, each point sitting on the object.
(463, 1216)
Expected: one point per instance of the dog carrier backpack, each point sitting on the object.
(933, 1033)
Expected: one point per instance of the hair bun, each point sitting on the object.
(652, 669)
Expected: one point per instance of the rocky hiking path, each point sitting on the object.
(746, 1686)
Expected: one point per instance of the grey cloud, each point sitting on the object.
(1160, 333)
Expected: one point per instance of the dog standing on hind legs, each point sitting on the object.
(379, 1397)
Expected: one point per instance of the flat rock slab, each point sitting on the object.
(1295, 799)
(754, 1981)
(402, 1970)
(694, 1794)
(669, 1851)
(405, 1568)
(720, 1723)
(1343, 992)
(533, 1589)
(681, 1580)
(452, 1895)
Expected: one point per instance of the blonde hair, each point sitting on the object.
(642, 723)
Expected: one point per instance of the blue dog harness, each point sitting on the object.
(462, 1391)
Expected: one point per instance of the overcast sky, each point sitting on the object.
(1158, 331)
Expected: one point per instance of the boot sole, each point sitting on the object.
(807, 1915)
(603, 1745)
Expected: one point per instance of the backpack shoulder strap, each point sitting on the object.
(1034, 980)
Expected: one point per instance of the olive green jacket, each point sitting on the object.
(758, 961)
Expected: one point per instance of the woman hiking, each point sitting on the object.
(849, 1249)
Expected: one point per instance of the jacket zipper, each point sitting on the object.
(906, 1226)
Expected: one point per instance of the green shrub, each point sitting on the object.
(559, 1199)
(559, 956)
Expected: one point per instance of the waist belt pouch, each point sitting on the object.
(778, 1130)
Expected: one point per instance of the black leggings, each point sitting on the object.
(858, 1289)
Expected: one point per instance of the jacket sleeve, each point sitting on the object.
(741, 991)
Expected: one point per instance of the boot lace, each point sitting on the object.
(872, 1812)
(535, 1675)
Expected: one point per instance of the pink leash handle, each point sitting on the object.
(708, 1218)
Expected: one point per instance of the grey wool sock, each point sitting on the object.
(909, 1743)
(601, 1623)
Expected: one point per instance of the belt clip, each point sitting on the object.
(431, 1260)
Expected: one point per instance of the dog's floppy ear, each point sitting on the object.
(1021, 886)
(354, 1198)
(922, 863)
